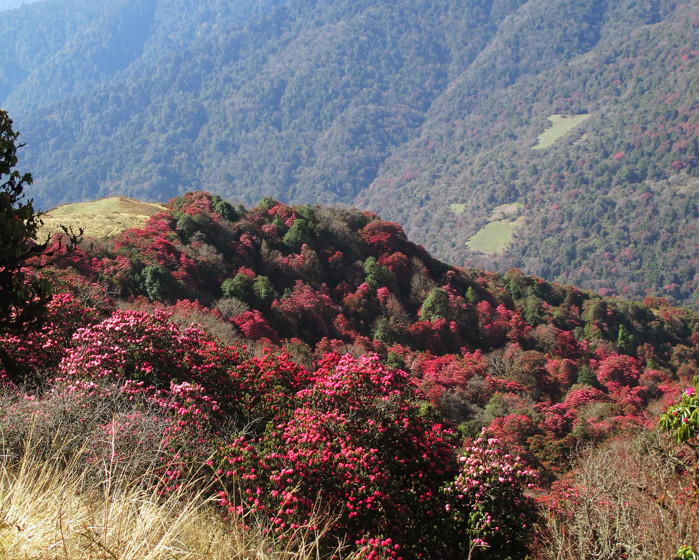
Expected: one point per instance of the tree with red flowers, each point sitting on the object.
(488, 500)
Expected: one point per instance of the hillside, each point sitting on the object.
(184, 359)
(102, 219)
(426, 112)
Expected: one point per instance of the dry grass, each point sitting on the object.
(632, 503)
(102, 219)
(64, 507)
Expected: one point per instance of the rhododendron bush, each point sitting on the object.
(681, 419)
(46, 345)
(151, 355)
(359, 443)
(488, 500)
(351, 436)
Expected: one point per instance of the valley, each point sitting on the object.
(400, 109)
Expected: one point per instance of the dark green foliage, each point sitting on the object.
(587, 377)
(22, 300)
(186, 227)
(532, 309)
(158, 284)
(435, 306)
(240, 287)
(298, 235)
(625, 341)
(266, 204)
(224, 209)
(388, 331)
(395, 361)
(378, 276)
(23, 296)
(264, 291)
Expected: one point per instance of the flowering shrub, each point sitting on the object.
(488, 501)
(497, 325)
(439, 336)
(197, 384)
(682, 418)
(357, 441)
(543, 364)
(449, 373)
(148, 353)
(44, 348)
(308, 312)
(254, 326)
(617, 371)
(384, 237)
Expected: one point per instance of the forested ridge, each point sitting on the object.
(306, 355)
(424, 112)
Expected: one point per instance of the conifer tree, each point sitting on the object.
(22, 298)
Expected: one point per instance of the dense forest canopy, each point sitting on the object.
(425, 112)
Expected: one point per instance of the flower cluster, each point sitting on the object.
(356, 441)
(44, 348)
(488, 499)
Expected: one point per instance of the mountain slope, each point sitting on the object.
(610, 205)
(546, 366)
(425, 112)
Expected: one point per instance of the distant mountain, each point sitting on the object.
(12, 4)
(427, 112)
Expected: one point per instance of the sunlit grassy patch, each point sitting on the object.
(494, 238)
(457, 208)
(102, 218)
(561, 125)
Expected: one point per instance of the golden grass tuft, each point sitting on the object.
(54, 507)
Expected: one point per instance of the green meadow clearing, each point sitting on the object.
(494, 238)
(561, 125)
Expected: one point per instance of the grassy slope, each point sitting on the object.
(494, 238)
(102, 218)
(561, 125)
